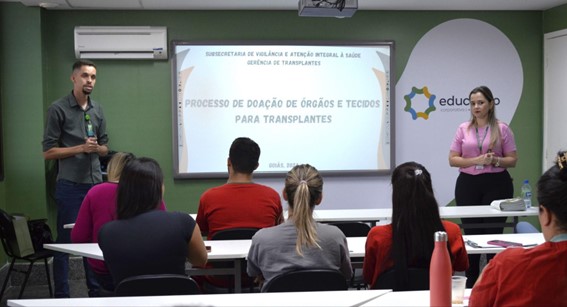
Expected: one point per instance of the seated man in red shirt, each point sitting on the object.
(240, 203)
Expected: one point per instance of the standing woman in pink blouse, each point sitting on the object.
(483, 149)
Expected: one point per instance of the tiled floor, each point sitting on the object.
(78, 288)
(37, 286)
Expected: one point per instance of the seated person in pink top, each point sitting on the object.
(408, 240)
(533, 276)
(98, 208)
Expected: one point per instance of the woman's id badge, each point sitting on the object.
(479, 166)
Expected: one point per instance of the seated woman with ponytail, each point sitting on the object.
(299, 243)
(408, 240)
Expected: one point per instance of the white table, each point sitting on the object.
(453, 212)
(327, 298)
(384, 215)
(221, 250)
(408, 298)
(530, 239)
(237, 251)
(233, 250)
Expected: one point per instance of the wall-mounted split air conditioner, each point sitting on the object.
(121, 43)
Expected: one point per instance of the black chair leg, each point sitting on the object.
(28, 272)
(7, 278)
(48, 278)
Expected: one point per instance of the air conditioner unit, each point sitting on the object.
(121, 43)
(322, 8)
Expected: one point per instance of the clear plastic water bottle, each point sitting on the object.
(527, 193)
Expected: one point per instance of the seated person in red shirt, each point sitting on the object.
(533, 276)
(240, 203)
(408, 240)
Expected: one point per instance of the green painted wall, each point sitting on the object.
(23, 189)
(136, 95)
(37, 54)
(555, 19)
(22, 98)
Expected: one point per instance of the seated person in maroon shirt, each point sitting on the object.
(533, 276)
(408, 240)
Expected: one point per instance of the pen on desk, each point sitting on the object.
(472, 244)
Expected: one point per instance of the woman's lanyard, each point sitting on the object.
(478, 140)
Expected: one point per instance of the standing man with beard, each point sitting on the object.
(75, 136)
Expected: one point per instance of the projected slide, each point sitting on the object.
(323, 104)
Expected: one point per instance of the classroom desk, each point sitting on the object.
(327, 298)
(221, 250)
(408, 298)
(530, 239)
(234, 250)
(237, 251)
(385, 214)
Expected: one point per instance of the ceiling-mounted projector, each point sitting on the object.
(327, 8)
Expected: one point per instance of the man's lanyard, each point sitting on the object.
(90, 130)
(479, 142)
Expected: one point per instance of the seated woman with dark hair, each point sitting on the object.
(534, 276)
(408, 240)
(143, 240)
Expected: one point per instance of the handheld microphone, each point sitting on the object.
(90, 130)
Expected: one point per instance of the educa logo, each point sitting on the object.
(409, 98)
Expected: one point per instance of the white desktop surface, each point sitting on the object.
(455, 212)
(88, 250)
(532, 239)
(408, 298)
(327, 298)
(368, 215)
(385, 214)
(235, 249)
(220, 249)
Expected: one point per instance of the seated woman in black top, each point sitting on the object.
(144, 240)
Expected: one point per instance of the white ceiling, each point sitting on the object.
(457, 5)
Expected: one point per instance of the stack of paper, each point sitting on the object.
(510, 204)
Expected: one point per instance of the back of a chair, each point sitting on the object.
(158, 284)
(418, 279)
(525, 227)
(235, 234)
(353, 229)
(7, 233)
(308, 280)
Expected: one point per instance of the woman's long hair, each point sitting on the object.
(116, 164)
(492, 120)
(303, 188)
(139, 189)
(552, 190)
(415, 219)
